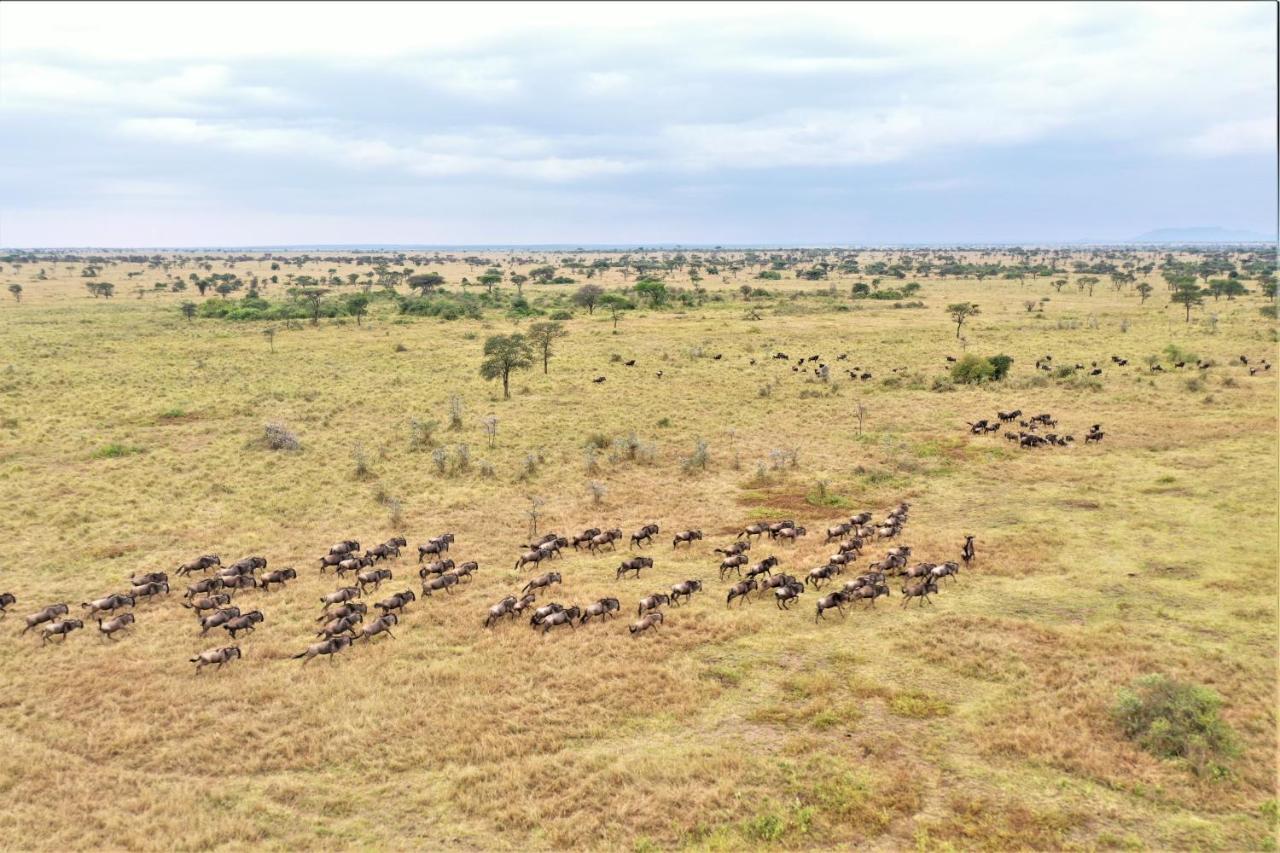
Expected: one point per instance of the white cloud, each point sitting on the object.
(1228, 138)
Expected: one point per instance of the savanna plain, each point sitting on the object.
(1101, 675)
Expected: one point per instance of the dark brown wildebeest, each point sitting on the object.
(375, 577)
(435, 547)
(207, 602)
(838, 531)
(534, 556)
(836, 599)
(149, 577)
(5, 600)
(238, 581)
(353, 564)
(337, 627)
(398, 602)
(542, 582)
(604, 608)
(340, 596)
(438, 567)
(687, 537)
(949, 569)
(685, 588)
(653, 620)
(778, 526)
(859, 519)
(217, 618)
(445, 581)
(526, 601)
(789, 534)
(215, 657)
(111, 626)
(46, 615)
(733, 564)
(584, 537)
(644, 534)
(966, 551)
(351, 608)
(466, 570)
(652, 602)
(150, 590)
(764, 567)
(243, 623)
(59, 629)
(740, 590)
(346, 546)
(868, 592)
(822, 573)
(505, 607)
(740, 546)
(608, 537)
(543, 612)
(381, 625)
(786, 594)
(385, 551)
(108, 603)
(329, 647)
(757, 529)
(920, 590)
(331, 560)
(634, 564)
(247, 566)
(279, 576)
(199, 564)
(562, 617)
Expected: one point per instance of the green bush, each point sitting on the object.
(973, 369)
(1176, 720)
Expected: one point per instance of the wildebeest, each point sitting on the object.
(535, 556)
(583, 538)
(634, 564)
(149, 590)
(340, 625)
(837, 531)
(5, 600)
(685, 588)
(108, 603)
(778, 526)
(740, 590)
(247, 566)
(505, 607)
(542, 582)
(790, 534)
(438, 567)
(216, 657)
(757, 529)
(787, 593)
(353, 564)
(435, 547)
(466, 570)
(644, 534)
(740, 546)
(822, 573)
(398, 602)
(603, 608)
(199, 564)
(375, 577)
(652, 602)
(446, 582)
(920, 589)
(764, 567)
(329, 647)
(733, 564)
(608, 537)
(243, 623)
(237, 581)
(59, 629)
(111, 626)
(562, 617)
(340, 596)
(279, 576)
(1006, 417)
(381, 625)
(966, 551)
(836, 599)
(686, 536)
(207, 602)
(217, 618)
(346, 546)
(45, 615)
(653, 620)
(537, 617)
(350, 608)
(149, 577)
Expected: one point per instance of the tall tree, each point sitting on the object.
(503, 354)
(542, 336)
(16, 290)
(961, 311)
(1189, 295)
(587, 296)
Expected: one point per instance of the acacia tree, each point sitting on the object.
(188, 310)
(16, 290)
(1189, 295)
(961, 311)
(427, 282)
(358, 306)
(542, 336)
(310, 296)
(587, 296)
(503, 354)
(616, 303)
(1144, 291)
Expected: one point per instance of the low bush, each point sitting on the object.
(1176, 720)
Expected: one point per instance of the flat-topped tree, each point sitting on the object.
(503, 354)
(961, 311)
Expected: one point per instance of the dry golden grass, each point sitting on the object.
(979, 722)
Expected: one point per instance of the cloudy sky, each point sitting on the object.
(256, 124)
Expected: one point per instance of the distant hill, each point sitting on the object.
(1202, 234)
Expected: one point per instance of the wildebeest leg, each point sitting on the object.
(387, 631)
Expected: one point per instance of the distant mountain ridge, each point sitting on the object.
(1202, 234)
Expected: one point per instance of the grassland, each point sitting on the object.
(128, 444)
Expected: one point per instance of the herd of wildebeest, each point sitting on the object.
(345, 618)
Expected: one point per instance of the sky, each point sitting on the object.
(228, 124)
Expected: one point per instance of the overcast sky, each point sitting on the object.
(253, 124)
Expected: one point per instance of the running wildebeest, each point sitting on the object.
(279, 576)
(542, 582)
(215, 657)
(644, 534)
(59, 629)
(398, 602)
(207, 602)
(685, 588)
(740, 590)
(653, 620)
(733, 564)
(199, 564)
(111, 626)
(381, 625)
(652, 602)
(686, 536)
(836, 599)
(329, 647)
(445, 581)
(634, 564)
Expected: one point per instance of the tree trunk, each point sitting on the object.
(506, 375)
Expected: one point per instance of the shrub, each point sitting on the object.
(422, 434)
(1176, 720)
(115, 450)
(598, 491)
(973, 369)
(276, 436)
(699, 458)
